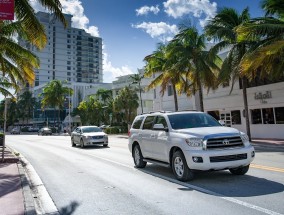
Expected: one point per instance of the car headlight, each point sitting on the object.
(194, 142)
(88, 137)
(245, 138)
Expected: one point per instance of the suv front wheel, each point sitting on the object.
(240, 170)
(180, 168)
(138, 157)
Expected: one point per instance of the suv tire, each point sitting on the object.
(180, 168)
(138, 157)
(240, 170)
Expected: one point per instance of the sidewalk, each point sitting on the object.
(15, 194)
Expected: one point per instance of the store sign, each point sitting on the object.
(7, 9)
(263, 96)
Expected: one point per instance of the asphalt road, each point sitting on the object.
(100, 180)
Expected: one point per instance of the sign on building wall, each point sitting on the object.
(7, 9)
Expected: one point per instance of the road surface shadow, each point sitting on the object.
(69, 209)
(222, 182)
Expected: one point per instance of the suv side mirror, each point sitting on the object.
(160, 127)
(222, 122)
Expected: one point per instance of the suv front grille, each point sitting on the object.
(228, 158)
(224, 142)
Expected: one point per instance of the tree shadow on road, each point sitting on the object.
(69, 209)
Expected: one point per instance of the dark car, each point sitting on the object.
(15, 131)
(45, 131)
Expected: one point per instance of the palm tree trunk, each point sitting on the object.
(175, 97)
(244, 82)
(200, 94)
(140, 97)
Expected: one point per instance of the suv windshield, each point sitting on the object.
(192, 120)
(91, 129)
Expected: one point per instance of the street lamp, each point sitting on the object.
(4, 129)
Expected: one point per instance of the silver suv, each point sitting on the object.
(188, 141)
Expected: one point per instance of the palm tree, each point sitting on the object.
(191, 61)
(127, 102)
(266, 57)
(30, 24)
(159, 64)
(54, 94)
(136, 79)
(26, 104)
(223, 29)
(16, 63)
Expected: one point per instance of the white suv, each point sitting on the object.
(188, 141)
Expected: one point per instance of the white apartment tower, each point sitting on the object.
(70, 54)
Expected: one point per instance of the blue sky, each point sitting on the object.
(131, 29)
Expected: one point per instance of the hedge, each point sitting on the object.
(116, 130)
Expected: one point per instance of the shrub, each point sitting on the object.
(112, 130)
(24, 129)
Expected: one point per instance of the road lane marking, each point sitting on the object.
(200, 189)
(275, 169)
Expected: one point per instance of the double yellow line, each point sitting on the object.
(275, 169)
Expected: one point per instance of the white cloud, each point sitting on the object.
(146, 9)
(110, 72)
(160, 30)
(81, 21)
(198, 8)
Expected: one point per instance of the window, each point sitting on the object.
(68, 67)
(148, 123)
(279, 115)
(161, 120)
(256, 116)
(236, 117)
(137, 123)
(268, 116)
(170, 90)
(215, 114)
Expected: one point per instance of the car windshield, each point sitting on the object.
(91, 129)
(192, 120)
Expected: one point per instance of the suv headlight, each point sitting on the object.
(245, 138)
(194, 142)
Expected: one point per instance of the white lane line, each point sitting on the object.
(200, 189)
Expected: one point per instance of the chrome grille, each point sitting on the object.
(98, 137)
(225, 158)
(224, 142)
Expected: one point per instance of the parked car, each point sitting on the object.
(89, 135)
(188, 141)
(15, 131)
(45, 131)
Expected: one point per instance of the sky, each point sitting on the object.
(131, 29)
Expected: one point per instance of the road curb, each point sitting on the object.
(43, 202)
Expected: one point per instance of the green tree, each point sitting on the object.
(127, 102)
(159, 64)
(30, 25)
(105, 96)
(266, 57)
(54, 94)
(223, 29)
(16, 62)
(26, 104)
(192, 61)
(91, 111)
(136, 79)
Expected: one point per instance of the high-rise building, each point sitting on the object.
(70, 54)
